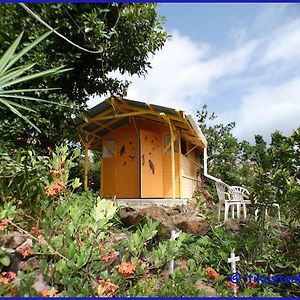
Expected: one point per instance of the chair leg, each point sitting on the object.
(278, 207)
(219, 211)
(232, 211)
(238, 210)
(226, 211)
(245, 210)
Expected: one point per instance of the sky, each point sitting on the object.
(241, 60)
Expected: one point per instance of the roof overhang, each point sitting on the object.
(114, 112)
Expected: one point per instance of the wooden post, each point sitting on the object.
(172, 160)
(180, 165)
(86, 165)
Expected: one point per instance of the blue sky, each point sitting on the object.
(242, 60)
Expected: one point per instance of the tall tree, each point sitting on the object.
(126, 35)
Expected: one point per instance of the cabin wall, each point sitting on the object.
(167, 176)
(190, 168)
(120, 173)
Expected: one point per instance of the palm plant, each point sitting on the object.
(11, 75)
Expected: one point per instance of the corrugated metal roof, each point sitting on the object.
(91, 125)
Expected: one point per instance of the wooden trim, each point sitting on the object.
(172, 159)
(198, 165)
(191, 150)
(104, 113)
(180, 167)
(101, 178)
(135, 126)
(86, 165)
(189, 177)
(124, 115)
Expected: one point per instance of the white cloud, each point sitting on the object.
(283, 44)
(185, 72)
(182, 73)
(268, 108)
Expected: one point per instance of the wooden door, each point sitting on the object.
(151, 164)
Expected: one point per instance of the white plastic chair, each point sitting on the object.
(242, 194)
(228, 199)
(266, 211)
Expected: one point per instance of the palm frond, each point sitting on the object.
(10, 76)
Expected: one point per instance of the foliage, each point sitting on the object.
(23, 176)
(271, 173)
(11, 76)
(127, 34)
(74, 236)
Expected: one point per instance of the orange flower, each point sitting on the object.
(26, 250)
(35, 230)
(50, 293)
(126, 269)
(45, 293)
(55, 188)
(9, 275)
(251, 284)
(3, 224)
(106, 288)
(3, 280)
(19, 202)
(231, 285)
(110, 256)
(212, 273)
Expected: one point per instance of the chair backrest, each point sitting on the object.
(222, 188)
(239, 192)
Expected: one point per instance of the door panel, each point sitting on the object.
(151, 164)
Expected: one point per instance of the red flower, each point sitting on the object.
(55, 188)
(9, 275)
(251, 284)
(126, 269)
(26, 249)
(3, 280)
(231, 285)
(50, 293)
(106, 288)
(35, 230)
(212, 273)
(3, 224)
(110, 256)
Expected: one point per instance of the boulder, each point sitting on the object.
(180, 217)
(194, 225)
(12, 240)
(232, 225)
(207, 290)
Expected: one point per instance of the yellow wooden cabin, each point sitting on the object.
(148, 151)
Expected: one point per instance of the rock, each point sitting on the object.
(194, 225)
(131, 217)
(232, 225)
(12, 240)
(207, 289)
(31, 263)
(182, 217)
(39, 282)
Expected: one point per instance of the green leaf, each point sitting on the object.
(5, 260)
(19, 114)
(26, 49)
(34, 76)
(9, 53)
(14, 74)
